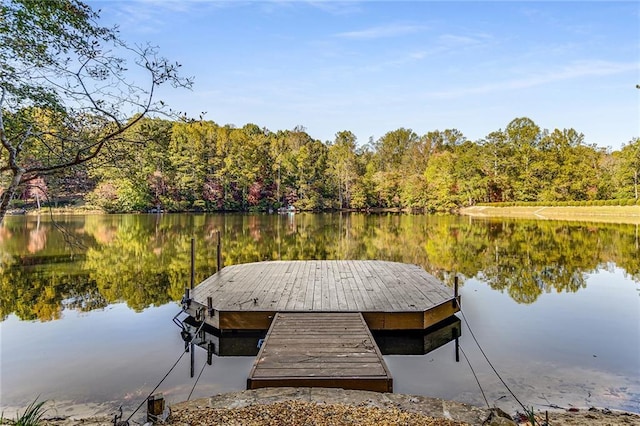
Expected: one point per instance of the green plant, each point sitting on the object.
(17, 203)
(32, 414)
(531, 415)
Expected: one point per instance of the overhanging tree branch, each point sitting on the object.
(67, 94)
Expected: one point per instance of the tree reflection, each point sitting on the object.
(144, 260)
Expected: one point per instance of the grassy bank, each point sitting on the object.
(611, 214)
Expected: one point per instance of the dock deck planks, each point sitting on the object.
(390, 295)
(320, 349)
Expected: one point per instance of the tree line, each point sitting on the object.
(202, 166)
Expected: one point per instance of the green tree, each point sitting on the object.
(497, 166)
(628, 169)
(441, 182)
(134, 175)
(120, 195)
(57, 61)
(523, 135)
(342, 165)
(301, 169)
(392, 151)
(469, 171)
(311, 185)
(392, 148)
(155, 138)
(363, 192)
(191, 147)
(571, 167)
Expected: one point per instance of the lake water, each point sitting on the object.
(87, 304)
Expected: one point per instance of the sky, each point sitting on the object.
(371, 67)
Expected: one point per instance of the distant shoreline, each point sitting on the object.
(608, 214)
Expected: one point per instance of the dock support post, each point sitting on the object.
(219, 251)
(155, 408)
(455, 291)
(193, 262)
(456, 304)
(193, 359)
(193, 276)
(454, 332)
(210, 353)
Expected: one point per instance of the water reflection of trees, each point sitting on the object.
(144, 260)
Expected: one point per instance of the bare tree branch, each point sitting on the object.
(67, 94)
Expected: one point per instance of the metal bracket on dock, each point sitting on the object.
(178, 322)
(199, 314)
(210, 309)
(186, 299)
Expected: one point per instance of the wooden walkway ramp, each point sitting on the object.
(320, 350)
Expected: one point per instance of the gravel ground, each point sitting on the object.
(309, 413)
(373, 416)
(320, 406)
(303, 413)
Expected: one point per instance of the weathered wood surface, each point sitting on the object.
(368, 286)
(320, 349)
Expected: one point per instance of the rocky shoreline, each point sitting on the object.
(322, 406)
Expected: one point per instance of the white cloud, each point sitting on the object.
(384, 31)
(450, 42)
(337, 7)
(569, 72)
(451, 39)
(152, 16)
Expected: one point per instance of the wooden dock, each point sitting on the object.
(320, 314)
(320, 350)
(390, 295)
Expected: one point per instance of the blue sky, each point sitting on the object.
(371, 67)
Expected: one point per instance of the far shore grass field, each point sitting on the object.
(609, 214)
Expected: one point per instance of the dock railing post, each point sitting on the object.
(186, 301)
(455, 292)
(210, 306)
(456, 304)
(193, 262)
(219, 251)
(193, 278)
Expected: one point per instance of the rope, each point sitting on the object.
(487, 358)
(197, 378)
(168, 372)
(475, 376)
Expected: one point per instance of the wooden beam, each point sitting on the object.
(394, 320)
(440, 312)
(245, 320)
